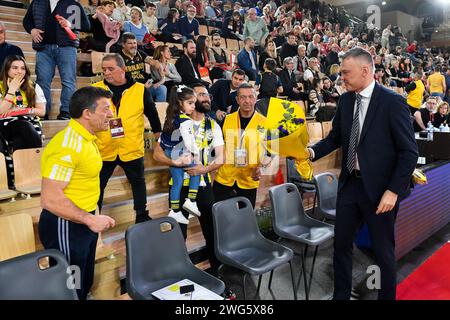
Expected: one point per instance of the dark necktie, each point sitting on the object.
(354, 136)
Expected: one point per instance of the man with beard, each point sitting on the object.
(135, 61)
(211, 139)
(247, 59)
(187, 67)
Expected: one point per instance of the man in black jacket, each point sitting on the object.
(288, 81)
(54, 47)
(187, 67)
(223, 94)
(7, 49)
(289, 49)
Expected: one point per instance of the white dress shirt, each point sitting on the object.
(366, 95)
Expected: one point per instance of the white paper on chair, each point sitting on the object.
(315, 233)
(172, 292)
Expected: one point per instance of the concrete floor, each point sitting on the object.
(322, 283)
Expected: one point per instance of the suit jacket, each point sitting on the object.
(184, 68)
(387, 150)
(288, 82)
(244, 61)
(221, 96)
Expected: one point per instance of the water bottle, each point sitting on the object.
(441, 127)
(430, 130)
(446, 128)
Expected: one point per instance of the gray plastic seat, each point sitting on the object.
(326, 192)
(289, 221)
(239, 243)
(157, 257)
(294, 177)
(22, 279)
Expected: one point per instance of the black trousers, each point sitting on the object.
(353, 208)
(21, 134)
(76, 241)
(205, 201)
(222, 192)
(134, 170)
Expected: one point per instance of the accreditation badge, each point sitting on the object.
(240, 158)
(115, 125)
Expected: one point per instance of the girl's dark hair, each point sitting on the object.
(174, 108)
(27, 85)
(270, 64)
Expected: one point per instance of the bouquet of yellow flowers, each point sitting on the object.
(286, 134)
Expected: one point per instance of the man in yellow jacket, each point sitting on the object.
(244, 150)
(123, 144)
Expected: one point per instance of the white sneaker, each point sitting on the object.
(178, 216)
(191, 207)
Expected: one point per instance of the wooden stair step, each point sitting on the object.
(11, 10)
(18, 35)
(13, 26)
(24, 45)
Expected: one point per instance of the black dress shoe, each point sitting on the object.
(63, 116)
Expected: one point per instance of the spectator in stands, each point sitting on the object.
(247, 59)
(232, 26)
(214, 13)
(332, 57)
(188, 25)
(314, 44)
(256, 28)
(290, 48)
(313, 72)
(123, 144)
(270, 51)
(7, 49)
(170, 27)
(91, 7)
(54, 48)
(70, 170)
(334, 72)
(187, 66)
(21, 105)
(330, 93)
(240, 175)
(150, 20)
(269, 83)
(205, 59)
(268, 17)
(280, 38)
(300, 63)
(105, 30)
(323, 111)
(223, 93)
(237, 6)
(162, 9)
(121, 12)
(425, 115)
(161, 65)
(135, 25)
(441, 116)
(436, 83)
(289, 82)
(447, 82)
(205, 197)
(415, 90)
(222, 59)
(387, 33)
(135, 61)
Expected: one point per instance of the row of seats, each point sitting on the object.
(237, 240)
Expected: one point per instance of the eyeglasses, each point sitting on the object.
(204, 95)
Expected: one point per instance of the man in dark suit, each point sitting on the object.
(187, 67)
(223, 94)
(373, 127)
(288, 81)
